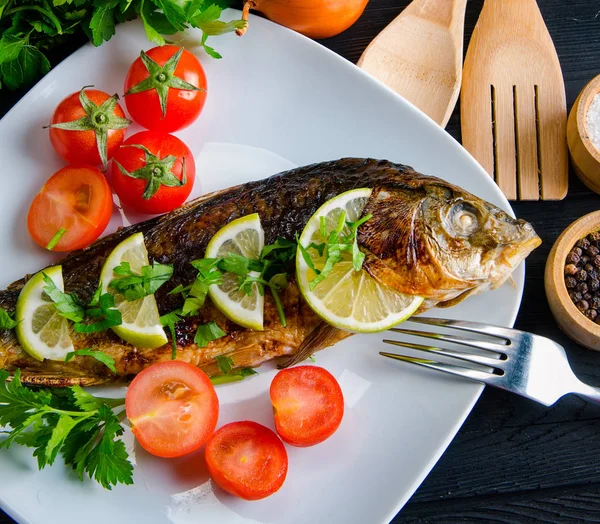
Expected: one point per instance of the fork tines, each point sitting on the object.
(495, 353)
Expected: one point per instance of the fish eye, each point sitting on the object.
(463, 219)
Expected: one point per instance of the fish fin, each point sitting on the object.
(319, 338)
(384, 274)
(458, 299)
(61, 381)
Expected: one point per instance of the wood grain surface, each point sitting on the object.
(513, 461)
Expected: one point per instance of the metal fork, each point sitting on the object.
(529, 365)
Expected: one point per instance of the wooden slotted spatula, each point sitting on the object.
(513, 105)
(419, 55)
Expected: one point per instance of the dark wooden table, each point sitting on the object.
(513, 461)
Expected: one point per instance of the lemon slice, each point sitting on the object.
(42, 331)
(348, 299)
(245, 237)
(141, 321)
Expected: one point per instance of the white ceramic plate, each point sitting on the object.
(275, 100)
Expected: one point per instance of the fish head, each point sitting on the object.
(438, 241)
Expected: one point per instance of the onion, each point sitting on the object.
(313, 18)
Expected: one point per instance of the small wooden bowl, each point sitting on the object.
(584, 156)
(572, 321)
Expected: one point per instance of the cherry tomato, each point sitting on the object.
(155, 174)
(183, 90)
(308, 405)
(247, 460)
(76, 200)
(173, 408)
(100, 129)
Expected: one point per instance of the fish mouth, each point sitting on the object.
(513, 257)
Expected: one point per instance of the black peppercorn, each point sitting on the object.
(595, 302)
(584, 260)
(593, 284)
(584, 243)
(588, 267)
(570, 269)
(577, 250)
(582, 287)
(576, 296)
(581, 275)
(573, 258)
(587, 296)
(583, 305)
(592, 314)
(571, 282)
(592, 251)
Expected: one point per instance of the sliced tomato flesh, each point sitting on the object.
(247, 460)
(76, 199)
(173, 408)
(308, 405)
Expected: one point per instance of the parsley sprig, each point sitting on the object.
(337, 242)
(28, 28)
(83, 429)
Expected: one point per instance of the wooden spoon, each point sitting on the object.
(513, 105)
(419, 55)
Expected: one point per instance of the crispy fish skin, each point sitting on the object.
(284, 202)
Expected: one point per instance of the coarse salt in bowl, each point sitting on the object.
(592, 121)
(583, 135)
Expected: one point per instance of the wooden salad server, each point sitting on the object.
(419, 55)
(513, 104)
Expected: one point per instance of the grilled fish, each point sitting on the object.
(426, 237)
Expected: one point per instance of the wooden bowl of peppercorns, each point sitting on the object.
(572, 280)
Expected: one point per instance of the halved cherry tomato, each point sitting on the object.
(74, 205)
(87, 127)
(247, 460)
(173, 408)
(152, 78)
(308, 405)
(152, 175)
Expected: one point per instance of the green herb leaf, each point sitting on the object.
(107, 461)
(82, 428)
(29, 64)
(235, 376)
(102, 310)
(100, 356)
(102, 23)
(67, 305)
(337, 243)
(134, 286)
(208, 332)
(56, 239)
(208, 274)
(168, 321)
(225, 364)
(6, 321)
(10, 47)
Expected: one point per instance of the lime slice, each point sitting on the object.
(245, 237)
(348, 299)
(42, 331)
(141, 321)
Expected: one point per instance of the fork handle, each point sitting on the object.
(589, 393)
